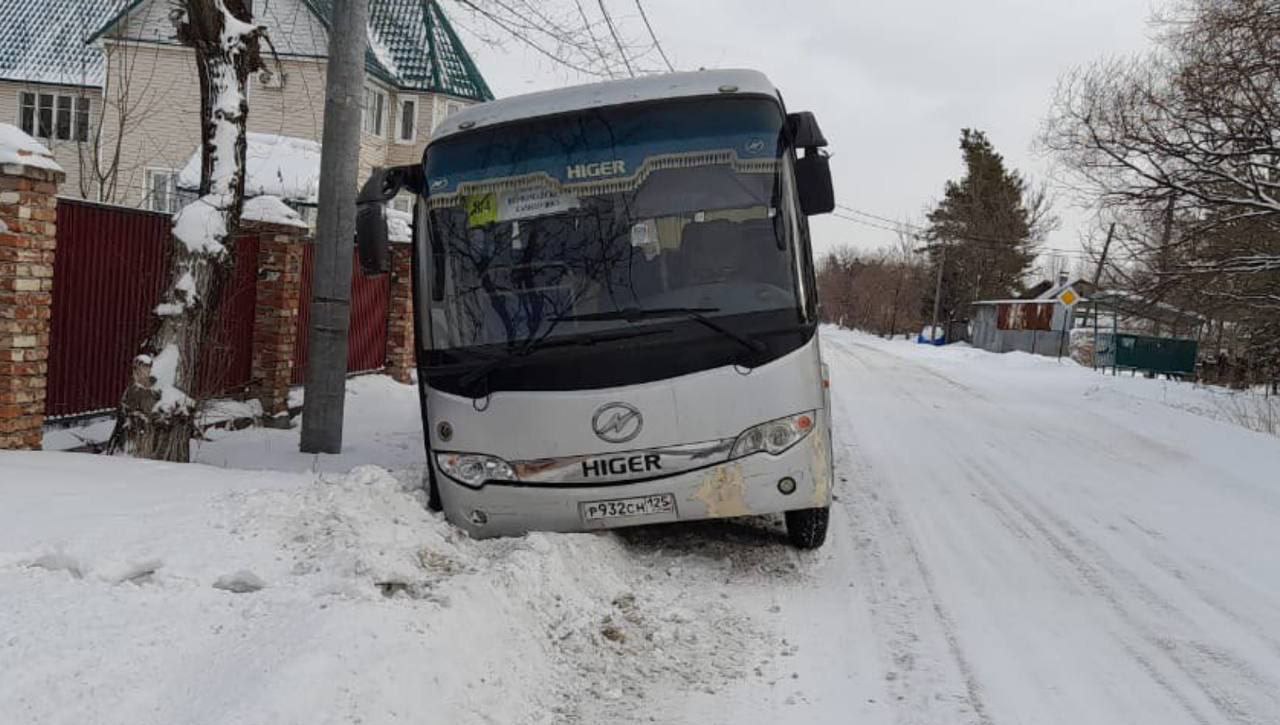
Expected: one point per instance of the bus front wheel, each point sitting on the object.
(807, 528)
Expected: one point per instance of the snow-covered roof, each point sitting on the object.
(271, 210)
(280, 166)
(43, 41)
(608, 93)
(1057, 289)
(18, 148)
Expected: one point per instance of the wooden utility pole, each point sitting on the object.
(335, 229)
(1106, 246)
(937, 294)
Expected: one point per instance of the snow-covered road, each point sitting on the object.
(1014, 541)
(1034, 544)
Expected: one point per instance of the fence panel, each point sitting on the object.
(108, 274)
(227, 365)
(367, 337)
(111, 267)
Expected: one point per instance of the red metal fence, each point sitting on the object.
(367, 338)
(108, 274)
(110, 270)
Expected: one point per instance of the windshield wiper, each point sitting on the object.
(697, 314)
(542, 343)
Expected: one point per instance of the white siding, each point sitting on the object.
(293, 28)
(149, 21)
(75, 158)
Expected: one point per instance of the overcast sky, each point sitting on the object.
(892, 82)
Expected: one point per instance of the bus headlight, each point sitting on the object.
(775, 436)
(473, 469)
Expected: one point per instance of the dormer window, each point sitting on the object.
(375, 111)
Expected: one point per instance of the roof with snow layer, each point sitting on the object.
(43, 41)
(413, 45)
(279, 166)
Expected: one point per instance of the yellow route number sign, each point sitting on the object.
(482, 209)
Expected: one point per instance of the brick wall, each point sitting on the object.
(275, 326)
(400, 359)
(28, 216)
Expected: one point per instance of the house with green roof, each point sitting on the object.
(108, 87)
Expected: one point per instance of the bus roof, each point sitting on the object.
(608, 93)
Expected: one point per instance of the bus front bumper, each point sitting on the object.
(749, 486)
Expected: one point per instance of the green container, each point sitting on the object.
(1157, 354)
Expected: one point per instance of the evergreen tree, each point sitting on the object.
(989, 222)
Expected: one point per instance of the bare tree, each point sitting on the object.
(125, 105)
(1182, 147)
(1192, 129)
(881, 292)
(156, 418)
(583, 36)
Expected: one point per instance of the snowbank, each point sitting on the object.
(18, 148)
(266, 598)
(281, 166)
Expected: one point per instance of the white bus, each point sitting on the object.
(615, 307)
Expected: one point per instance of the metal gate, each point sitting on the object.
(367, 336)
(110, 269)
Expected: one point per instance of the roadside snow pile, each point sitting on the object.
(1248, 409)
(281, 166)
(133, 594)
(17, 147)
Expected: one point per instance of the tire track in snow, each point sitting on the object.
(1101, 574)
(882, 535)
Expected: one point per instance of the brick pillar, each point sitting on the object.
(29, 182)
(400, 360)
(275, 323)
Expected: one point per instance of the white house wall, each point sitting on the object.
(68, 154)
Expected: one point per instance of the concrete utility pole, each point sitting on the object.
(335, 229)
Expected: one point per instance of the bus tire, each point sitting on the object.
(433, 492)
(807, 528)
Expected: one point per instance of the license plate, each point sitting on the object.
(621, 508)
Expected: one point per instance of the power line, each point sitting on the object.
(616, 40)
(915, 230)
(645, 16)
(595, 42)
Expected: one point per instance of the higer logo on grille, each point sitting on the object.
(617, 422)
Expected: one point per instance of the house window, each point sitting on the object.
(82, 119)
(54, 116)
(27, 114)
(162, 191)
(375, 109)
(44, 116)
(408, 132)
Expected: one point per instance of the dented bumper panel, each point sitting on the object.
(743, 487)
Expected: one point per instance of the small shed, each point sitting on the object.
(1040, 325)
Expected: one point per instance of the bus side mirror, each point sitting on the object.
(813, 170)
(803, 129)
(371, 223)
(372, 237)
(813, 182)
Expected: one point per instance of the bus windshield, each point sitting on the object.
(585, 223)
